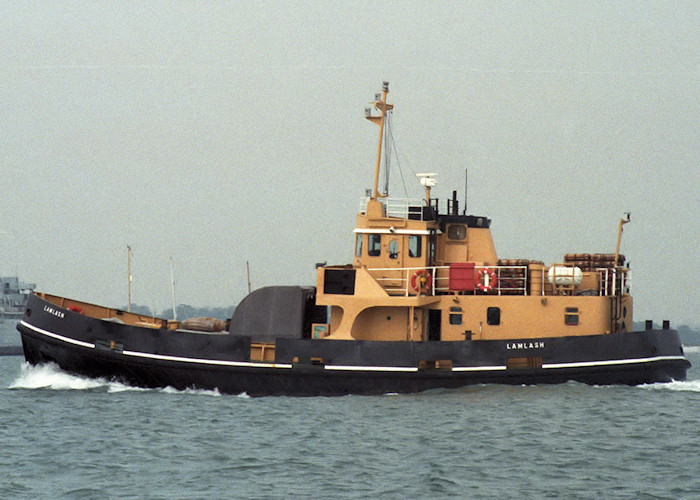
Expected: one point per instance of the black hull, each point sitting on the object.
(148, 357)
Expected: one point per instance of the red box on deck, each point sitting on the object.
(462, 277)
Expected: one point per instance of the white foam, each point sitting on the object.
(119, 387)
(201, 392)
(687, 386)
(50, 376)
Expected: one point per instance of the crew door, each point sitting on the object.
(434, 324)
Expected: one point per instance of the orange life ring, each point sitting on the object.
(421, 279)
(487, 280)
(76, 309)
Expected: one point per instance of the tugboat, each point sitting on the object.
(425, 304)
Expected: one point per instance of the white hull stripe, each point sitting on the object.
(611, 362)
(219, 362)
(477, 368)
(578, 364)
(371, 368)
(56, 336)
(160, 356)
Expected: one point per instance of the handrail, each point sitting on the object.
(511, 280)
(611, 280)
(610, 283)
(515, 277)
(397, 207)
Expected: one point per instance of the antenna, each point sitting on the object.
(466, 184)
(247, 265)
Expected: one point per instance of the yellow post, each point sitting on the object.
(623, 220)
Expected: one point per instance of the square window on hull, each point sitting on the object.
(455, 315)
(571, 316)
(493, 316)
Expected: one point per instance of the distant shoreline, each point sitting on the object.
(11, 350)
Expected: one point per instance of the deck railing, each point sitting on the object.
(398, 207)
(511, 280)
(613, 281)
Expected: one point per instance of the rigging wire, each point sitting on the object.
(387, 151)
(398, 160)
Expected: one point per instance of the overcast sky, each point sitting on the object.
(217, 133)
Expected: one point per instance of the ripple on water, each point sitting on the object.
(92, 438)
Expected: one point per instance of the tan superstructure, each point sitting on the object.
(419, 274)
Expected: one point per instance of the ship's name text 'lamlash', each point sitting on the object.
(525, 345)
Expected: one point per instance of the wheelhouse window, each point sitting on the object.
(456, 231)
(414, 246)
(358, 245)
(571, 316)
(493, 316)
(455, 315)
(374, 245)
(393, 249)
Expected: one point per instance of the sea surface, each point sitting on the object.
(70, 437)
(8, 333)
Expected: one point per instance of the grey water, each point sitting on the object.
(70, 437)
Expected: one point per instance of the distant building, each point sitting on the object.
(13, 297)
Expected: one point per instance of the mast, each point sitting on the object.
(128, 273)
(172, 288)
(380, 104)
